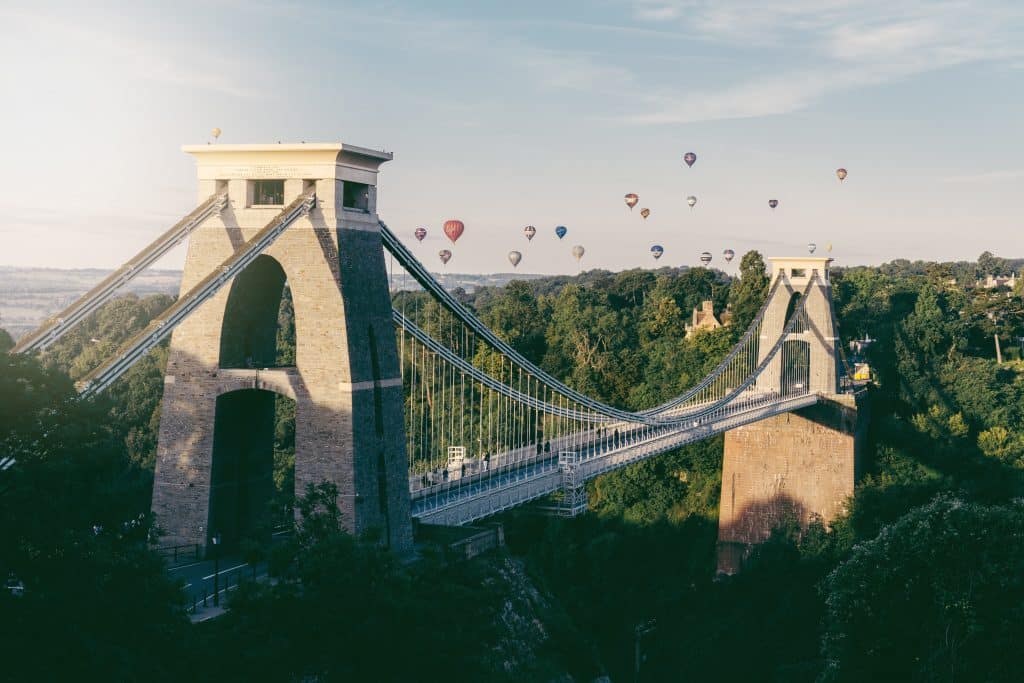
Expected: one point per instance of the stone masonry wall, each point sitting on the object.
(335, 270)
(798, 465)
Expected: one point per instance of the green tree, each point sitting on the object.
(748, 293)
(935, 597)
(74, 530)
(6, 341)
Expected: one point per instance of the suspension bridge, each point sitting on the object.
(419, 411)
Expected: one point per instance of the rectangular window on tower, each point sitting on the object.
(267, 193)
(355, 196)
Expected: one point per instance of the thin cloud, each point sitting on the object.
(138, 57)
(852, 44)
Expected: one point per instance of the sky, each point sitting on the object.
(533, 113)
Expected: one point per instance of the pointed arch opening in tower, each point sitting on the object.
(258, 330)
(252, 484)
(794, 303)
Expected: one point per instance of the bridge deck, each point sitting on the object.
(513, 483)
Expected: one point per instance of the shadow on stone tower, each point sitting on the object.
(213, 452)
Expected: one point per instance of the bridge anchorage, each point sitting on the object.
(415, 409)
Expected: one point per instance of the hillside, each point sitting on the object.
(29, 295)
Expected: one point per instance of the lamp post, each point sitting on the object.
(216, 570)
(638, 657)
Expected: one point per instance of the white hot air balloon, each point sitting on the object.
(216, 133)
(691, 200)
(811, 247)
(578, 251)
(514, 257)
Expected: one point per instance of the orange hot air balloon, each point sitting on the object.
(631, 200)
(454, 229)
(645, 212)
(841, 174)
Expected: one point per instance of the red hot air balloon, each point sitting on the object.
(773, 203)
(690, 158)
(454, 229)
(420, 234)
(445, 256)
(631, 200)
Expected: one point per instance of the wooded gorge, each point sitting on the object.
(919, 580)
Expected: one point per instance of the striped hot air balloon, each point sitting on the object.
(454, 229)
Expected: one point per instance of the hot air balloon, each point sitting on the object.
(690, 158)
(215, 132)
(645, 212)
(514, 257)
(454, 229)
(445, 256)
(828, 247)
(529, 231)
(705, 257)
(728, 254)
(631, 200)
(578, 252)
(841, 174)
(691, 200)
(811, 247)
(656, 251)
(561, 230)
(773, 203)
(420, 233)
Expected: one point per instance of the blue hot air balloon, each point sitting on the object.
(656, 251)
(561, 230)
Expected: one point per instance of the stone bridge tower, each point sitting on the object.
(800, 465)
(215, 452)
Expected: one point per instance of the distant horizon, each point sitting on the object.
(1018, 262)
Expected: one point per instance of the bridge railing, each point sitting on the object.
(180, 554)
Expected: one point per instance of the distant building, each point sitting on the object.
(858, 346)
(704, 318)
(993, 282)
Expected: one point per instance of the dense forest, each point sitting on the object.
(919, 580)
